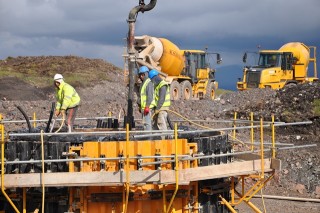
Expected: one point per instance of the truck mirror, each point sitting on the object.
(244, 58)
(219, 59)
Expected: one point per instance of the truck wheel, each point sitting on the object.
(175, 91)
(210, 91)
(186, 89)
(290, 84)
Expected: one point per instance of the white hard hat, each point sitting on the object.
(58, 77)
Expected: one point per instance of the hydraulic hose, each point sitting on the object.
(25, 117)
(169, 122)
(62, 122)
(186, 119)
(53, 106)
(205, 127)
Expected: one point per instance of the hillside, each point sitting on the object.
(27, 82)
(39, 71)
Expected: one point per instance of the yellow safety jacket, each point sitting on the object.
(67, 97)
(167, 98)
(143, 95)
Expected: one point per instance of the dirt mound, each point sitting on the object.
(294, 103)
(52, 64)
(13, 88)
(78, 71)
(30, 78)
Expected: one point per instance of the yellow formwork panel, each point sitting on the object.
(141, 203)
(115, 149)
(75, 166)
(110, 198)
(154, 206)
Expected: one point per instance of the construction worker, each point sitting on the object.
(161, 98)
(146, 101)
(68, 100)
(272, 60)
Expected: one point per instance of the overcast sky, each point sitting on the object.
(97, 28)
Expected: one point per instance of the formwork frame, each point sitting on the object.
(259, 167)
(261, 179)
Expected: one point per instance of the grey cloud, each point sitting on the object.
(89, 27)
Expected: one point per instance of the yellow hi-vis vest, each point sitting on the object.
(166, 102)
(143, 95)
(67, 97)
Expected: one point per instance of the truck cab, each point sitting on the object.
(277, 68)
(268, 73)
(199, 73)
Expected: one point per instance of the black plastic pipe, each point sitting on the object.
(25, 117)
(53, 106)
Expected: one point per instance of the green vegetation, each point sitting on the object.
(7, 72)
(288, 116)
(286, 113)
(222, 91)
(316, 107)
(39, 71)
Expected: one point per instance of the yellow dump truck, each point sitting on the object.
(278, 68)
(188, 71)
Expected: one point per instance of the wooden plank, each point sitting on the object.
(79, 178)
(276, 164)
(106, 178)
(216, 171)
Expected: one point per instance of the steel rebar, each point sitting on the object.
(89, 159)
(181, 157)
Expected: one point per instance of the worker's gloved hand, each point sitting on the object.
(63, 112)
(146, 110)
(57, 113)
(156, 111)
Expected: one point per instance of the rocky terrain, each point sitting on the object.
(300, 174)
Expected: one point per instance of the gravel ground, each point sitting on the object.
(300, 174)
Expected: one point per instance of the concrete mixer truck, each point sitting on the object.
(278, 68)
(188, 72)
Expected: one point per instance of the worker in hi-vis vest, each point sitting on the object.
(68, 100)
(146, 100)
(161, 99)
